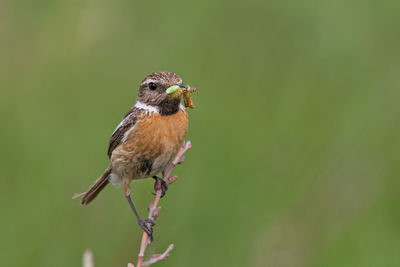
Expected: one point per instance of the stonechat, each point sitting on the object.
(148, 137)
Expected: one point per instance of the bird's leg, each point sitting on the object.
(147, 224)
(160, 184)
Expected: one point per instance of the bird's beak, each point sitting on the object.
(174, 88)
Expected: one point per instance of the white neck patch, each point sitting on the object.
(148, 108)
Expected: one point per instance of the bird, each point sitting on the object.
(147, 139)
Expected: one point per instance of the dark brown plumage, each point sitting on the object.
(128, 121)
(96, 188)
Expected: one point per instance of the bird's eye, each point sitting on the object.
(152, 86)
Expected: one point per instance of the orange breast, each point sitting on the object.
(150, 146)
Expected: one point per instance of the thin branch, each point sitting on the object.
(159, 257)
(154, 210)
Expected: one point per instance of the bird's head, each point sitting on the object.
(162, 90)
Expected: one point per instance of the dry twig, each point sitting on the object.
(154, 210)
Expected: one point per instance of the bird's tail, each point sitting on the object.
(95, 189)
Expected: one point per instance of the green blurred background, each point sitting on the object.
(295, 158)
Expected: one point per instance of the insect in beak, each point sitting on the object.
(181, 90)
(172, 89)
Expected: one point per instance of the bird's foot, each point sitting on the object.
(160, 184)
(147, 226)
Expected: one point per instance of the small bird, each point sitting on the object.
(148, 138)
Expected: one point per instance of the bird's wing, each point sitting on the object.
(127, 123)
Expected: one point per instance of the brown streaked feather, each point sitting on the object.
(128, 121)
(95, 189)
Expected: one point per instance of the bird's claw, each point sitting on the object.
(147, 226)
(160, 184)
(150, 221)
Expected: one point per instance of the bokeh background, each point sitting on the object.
(295, 158)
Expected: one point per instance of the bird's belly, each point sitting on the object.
(163, 161)
(149, 147)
